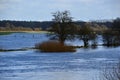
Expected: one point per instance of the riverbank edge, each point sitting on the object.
(22, 49)
(33, 48)
(23, 31)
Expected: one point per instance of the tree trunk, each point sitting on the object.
(85, 43)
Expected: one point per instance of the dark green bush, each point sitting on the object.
(54, 46)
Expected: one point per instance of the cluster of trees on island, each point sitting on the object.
(64, 28)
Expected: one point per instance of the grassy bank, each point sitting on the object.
(9, 32)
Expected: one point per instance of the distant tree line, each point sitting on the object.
(10, 27)
(45, 25)
(24, 25)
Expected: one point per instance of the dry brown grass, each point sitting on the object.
(54, 46)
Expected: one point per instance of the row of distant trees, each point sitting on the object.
(23, 25)
(44, 25)
(11, 27)
(26, 24)
(64, 29)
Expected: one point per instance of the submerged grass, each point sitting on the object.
(10, 32)
(5, 33)
(22, 49)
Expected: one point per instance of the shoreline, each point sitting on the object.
(10, 32)
(25, 31)
(76, 47)
(21, 49)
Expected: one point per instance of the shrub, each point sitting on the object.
(111, 38)
(54, 46)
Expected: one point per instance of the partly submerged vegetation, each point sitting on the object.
(63, 28)
(54, 46)
(10, 32)
(5, 33)
(22, 49)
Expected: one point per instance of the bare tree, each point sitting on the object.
(86, 34)
(63, 28)
(111, 38)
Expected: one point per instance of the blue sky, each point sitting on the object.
(40, 10)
